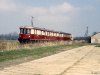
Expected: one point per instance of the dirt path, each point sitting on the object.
(90, 65)
(79, 61)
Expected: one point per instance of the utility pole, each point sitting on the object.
(32, 24)
(86, 33)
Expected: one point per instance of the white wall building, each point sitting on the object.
(95, 38)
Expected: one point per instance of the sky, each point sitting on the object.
(71, 16)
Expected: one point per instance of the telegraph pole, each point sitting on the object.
(86, 33)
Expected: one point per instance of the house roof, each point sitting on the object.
(96, 35)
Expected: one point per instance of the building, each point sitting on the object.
(95, 38)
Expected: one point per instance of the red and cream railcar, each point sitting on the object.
(28, 34)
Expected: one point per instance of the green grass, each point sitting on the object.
(34, 53)
(97, 45)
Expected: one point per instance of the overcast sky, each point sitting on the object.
(71, 16)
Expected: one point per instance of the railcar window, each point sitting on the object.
(62, 35)
(68, 35)
(28, 31)
(25, 31)
(21, 31)
(35, 31)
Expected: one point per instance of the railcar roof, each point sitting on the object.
(43, 29)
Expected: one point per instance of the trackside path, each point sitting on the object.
(90, 65)
(78, 61)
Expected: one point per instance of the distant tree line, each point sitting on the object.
(87, 39)
(10, 36)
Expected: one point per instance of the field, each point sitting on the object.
(34, 53)
(12, 51)
(69, 62)
(7, 45)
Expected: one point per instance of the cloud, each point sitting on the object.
(87, 8)
(64, 8)
(55, 14)
(54, 19)
(7, 5)
(58, 14)
(36, 11)
(63, 16)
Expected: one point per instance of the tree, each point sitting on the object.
(10, 36)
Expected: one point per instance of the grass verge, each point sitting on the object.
(34, 53)
(98, 45)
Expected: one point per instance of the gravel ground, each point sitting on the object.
(79, 61)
